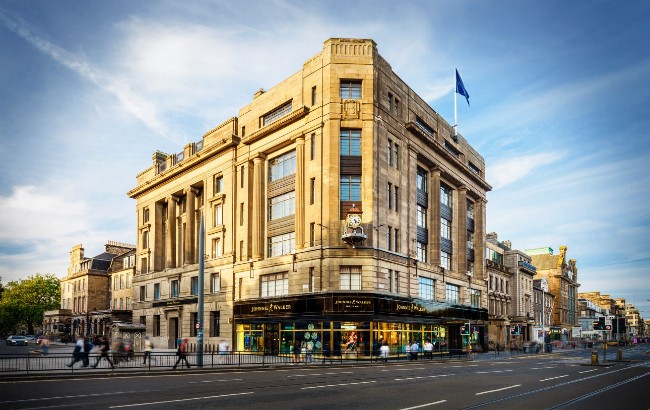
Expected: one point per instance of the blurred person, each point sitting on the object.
(182, 354)
(104, 348)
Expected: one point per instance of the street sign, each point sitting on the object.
(608, 327)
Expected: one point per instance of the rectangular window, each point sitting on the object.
(389, 238)
(282, 166)
(470, 240)
(156, 291)
(194, 284)
(143, 295)
(145, 215)
(350, 90)
(445, 195)
(445, 260)
(396, 106)
(282, 244)
(312, 191)
(350, 187)
(350, 142)
(452, 292)
(389, 102)
(241, 176)
(421, 181)
(312, 234)
(218, 215)
(243, 131)
(445, 229)
(115, 283)
(241, 213)
(475, 298)
(143, 320)
(424, 126)
(215, 282)
(194, 319)
(274, 285)
(122, 281)
(396, 201)
(312, 279)
(241, 250)
(145, 239)
(173, 289)
(276, 114)
(421, 216)
(128, 303)
(421, 252)
(156, 325)
(282, 205)
(218, 184)
(350, 278)
(312, 151)
(470, 210)
(215, 323)
(313, 95)
(389, 195)
(217, 249)
(395, 155)
(427, 288)
(389, 159)
(396, 238)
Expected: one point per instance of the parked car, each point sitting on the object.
(15, 340)
(30, 338)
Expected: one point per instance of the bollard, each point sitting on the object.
(619, 355)
(594, 357)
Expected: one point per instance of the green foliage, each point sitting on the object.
(24, 302)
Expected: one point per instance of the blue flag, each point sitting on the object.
(460, 87)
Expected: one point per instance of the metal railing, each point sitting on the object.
(35, 363)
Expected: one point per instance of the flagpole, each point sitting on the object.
(455, 110)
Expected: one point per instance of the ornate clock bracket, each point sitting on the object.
(353, 233)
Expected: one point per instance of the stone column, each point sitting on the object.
(189, 227)
(170, 235)
(300, 193)
(257, 217)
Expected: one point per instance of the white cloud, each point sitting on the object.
(130, 101)
(517, 167)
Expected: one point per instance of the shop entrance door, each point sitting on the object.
(173, 333)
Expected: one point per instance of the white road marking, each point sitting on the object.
(553, 378)
(545, 367)
(494, 371)
(68, 397)
(424, 405)
(421, 377)
(492, 391)
(589, 371)
(403, 370)
(179, 400)
(336, 385)
(215, 381)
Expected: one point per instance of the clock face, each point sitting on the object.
(354, 220)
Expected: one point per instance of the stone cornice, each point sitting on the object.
(276, 125)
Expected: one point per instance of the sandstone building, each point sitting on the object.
(340, 210)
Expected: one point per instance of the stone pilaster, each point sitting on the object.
(257, 217)
(300, 193)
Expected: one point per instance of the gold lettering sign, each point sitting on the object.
(410, 307)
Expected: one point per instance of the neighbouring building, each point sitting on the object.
(543, 302)
(562, 277)
(339, 208)
(499, 297)
(86, 292)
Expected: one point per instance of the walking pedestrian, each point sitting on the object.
(88, 346)
(104, 348)
(148, 348)
(182, 354)
(78, 352)
(428, 349)
(384, 351)
(45, 346)
(414, 349)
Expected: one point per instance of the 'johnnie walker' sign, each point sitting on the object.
(401, 307)
(352, 304)
(272, 308)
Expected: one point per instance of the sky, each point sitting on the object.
(559, 94)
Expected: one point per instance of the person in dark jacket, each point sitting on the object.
(182, 354)
(104, 349)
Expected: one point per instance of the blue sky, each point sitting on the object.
(559, 96)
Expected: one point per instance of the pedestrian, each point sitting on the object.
(296, 352)
(223, 350)
(78, 352)
(148, 347)
(414, 349)
(182, 354)
(104, 348)
(384, 351)
(428, 349)
(310, 352)
(118, 350)
(327, 353)
(88, 346)
(45, 346)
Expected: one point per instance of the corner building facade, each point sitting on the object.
(275, 186)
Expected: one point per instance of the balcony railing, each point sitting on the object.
(528, 266)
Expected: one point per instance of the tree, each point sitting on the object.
(24, 302)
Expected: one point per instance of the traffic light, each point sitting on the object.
(514, 330)
(600, 325)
